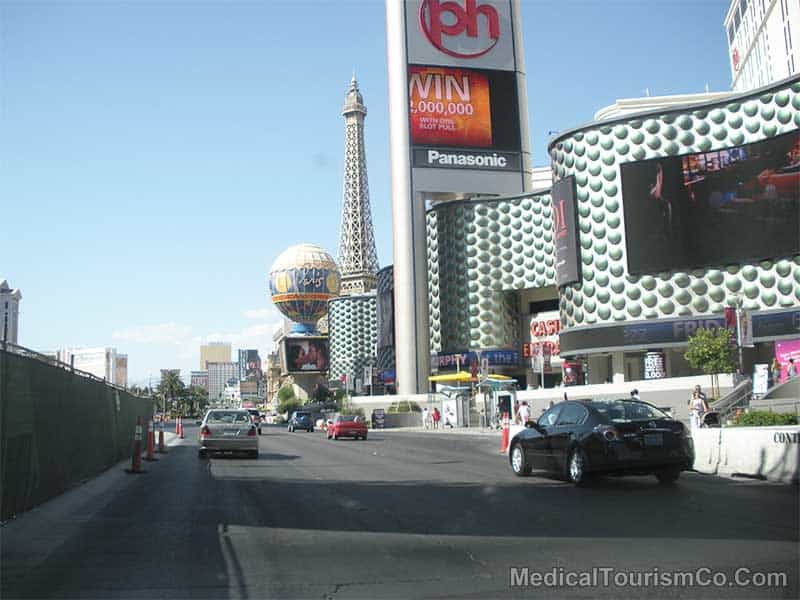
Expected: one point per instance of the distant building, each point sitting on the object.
(219, 373)
(231, 393)
(219, 352)
(273, 375)
(763, 41)
(121, 370)
(200, 379)
(249, 365)
(9, 305)
(100, 362)
(630, 106)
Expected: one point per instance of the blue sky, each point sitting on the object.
(156, 157)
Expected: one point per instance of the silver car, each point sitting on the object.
(228, 430)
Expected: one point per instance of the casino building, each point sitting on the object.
(657, 221)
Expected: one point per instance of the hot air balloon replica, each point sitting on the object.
(302, 280)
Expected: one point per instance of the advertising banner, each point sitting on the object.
(654, 367)
(449, 107)
(760, 378)
(749, 195)
(784, 351)
(304, 354)
(565, 231)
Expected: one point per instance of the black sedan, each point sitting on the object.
(618, 437)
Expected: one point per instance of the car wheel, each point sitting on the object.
(519, 464)
(254, 454)
(576, 467)
(311, 430)
(667, 476)
(364, 437)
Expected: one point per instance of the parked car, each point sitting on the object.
(301, 419)
(620, 437)
(256, 418)
(228, 430)
(347, 426)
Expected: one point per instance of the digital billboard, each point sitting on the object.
(306, 355)
(734, 205)
(449, 107)
(565, 232)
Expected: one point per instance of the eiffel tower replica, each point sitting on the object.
(358, 259)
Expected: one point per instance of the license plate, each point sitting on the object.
(230, 433)
(653, 439)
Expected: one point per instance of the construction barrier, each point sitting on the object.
(136, 458)
(161, 447)
(504, 436)
(151, 441)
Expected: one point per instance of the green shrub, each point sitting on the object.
(763, 418)
(403, 406)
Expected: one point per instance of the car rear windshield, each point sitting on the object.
(347, 418)
(303, 414)
(228, 417)
(620, 411)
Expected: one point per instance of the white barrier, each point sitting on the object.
(769, 452)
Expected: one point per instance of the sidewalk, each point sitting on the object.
(442, 430)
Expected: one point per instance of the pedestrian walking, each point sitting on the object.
(698, 407)
(635, 395)
(775, 370)
(435, 417)
(516, 412)
(524, 412)
(792, 370)
(426, 418)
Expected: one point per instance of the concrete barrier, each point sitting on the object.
(771, 453)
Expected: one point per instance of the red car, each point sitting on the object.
(347, 426)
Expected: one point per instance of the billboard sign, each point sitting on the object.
(727, 206)
(306, 354)
(565, 231)
(475, 33)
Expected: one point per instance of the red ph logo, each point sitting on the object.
(466, 19)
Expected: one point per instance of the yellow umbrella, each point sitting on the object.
(460, 376)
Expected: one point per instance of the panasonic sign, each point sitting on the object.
(469, 159)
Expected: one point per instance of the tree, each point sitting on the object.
(198, 398)
(712, 351)
(287, 401)
(171, 386)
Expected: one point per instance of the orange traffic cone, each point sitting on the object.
(504, 436)
(151, 439)
(136, 458)
(180, 420)
(161, 448)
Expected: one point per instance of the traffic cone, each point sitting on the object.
(151, 439)
(136, 458)
(177, 425)
(504, 435)
(180, 420)
(161, 447)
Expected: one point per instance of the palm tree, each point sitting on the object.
(171, 386)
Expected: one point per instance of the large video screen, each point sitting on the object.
(565, 231)
(728, 206)
(306, 355)
(463, 108)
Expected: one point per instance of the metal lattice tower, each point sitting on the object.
(358, 258)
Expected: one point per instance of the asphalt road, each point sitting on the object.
(398, 515)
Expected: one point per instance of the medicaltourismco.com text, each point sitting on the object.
(655, 577)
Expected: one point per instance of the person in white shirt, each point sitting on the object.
(426, 418)
(524, 413)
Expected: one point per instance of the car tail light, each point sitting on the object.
(205, 431)
(608, 432)
(252, 431)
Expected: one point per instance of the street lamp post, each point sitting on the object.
(739, 303)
